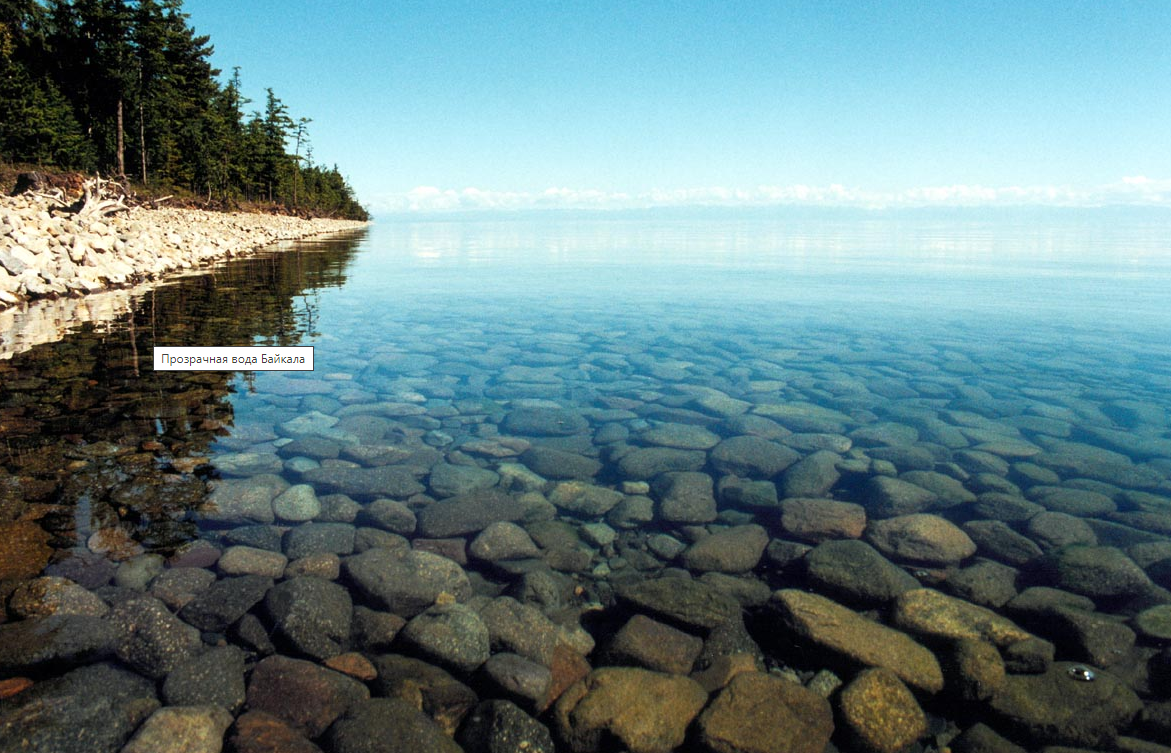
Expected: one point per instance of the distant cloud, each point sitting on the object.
(1135, 190)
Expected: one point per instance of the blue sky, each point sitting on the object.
(457, 105)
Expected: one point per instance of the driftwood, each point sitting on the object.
(99, 198)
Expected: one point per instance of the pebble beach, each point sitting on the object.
(46, 252)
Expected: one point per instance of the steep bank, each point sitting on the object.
(46, 253)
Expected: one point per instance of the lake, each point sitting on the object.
(920, 467)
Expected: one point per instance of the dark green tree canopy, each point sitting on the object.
(127, 87)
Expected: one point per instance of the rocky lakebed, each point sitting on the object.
(482, 535)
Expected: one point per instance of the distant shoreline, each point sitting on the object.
(53, 254)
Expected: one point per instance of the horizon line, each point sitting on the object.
(1133, 191)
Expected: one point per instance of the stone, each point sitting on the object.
(1087, 636)
(1155, 623)
(935, 615)
(440, 696)
(846, 634)
(179, 585)
(855, 572)
(924, 538)
(980, 738)
(1055, 530)
(1055, 707)
(470, 513)
(181, 729)
(405, 582)
(54, 642)
(880, 712)
(387, 725)
(296, 504)
(752, 457)
(259, 732)
(247, 463)
(680, 601)
(447, 480)
(584, 499)
(818, 520)
(812, 476)
(888, 497)
(997, 540)
(544, 422)
(311, 616)
(516, 677)
(498, 726)
(974, 670)
(451, 635)
(309, 539)
(25, 552)
(90, 709)
(503, 540)
(242, 501)
(986, 583)
(680, 436)
(644, 711)
(730, 550)
(226, 601)
(137, 572)
(394, 481)
(551, 462)
(644, 642)
(765, 714)
(50, 595)
(305, 695)
(1099, 572)
(685, 497)
(151, 640)
(753, 495)
(389, 515)
(213, 678)
(246, 560)
(644, 463)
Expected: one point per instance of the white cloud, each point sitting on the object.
(1135, 190)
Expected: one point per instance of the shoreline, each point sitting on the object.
(47, 253)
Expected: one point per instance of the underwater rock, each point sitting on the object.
(215, 677)
(305, 695)
(502, 727)
(646, 712)
(451, 635)
(181, 729)
(730, 550)
(647, 643)
(310, 615)
(685, 497)
(405, 582)
(855, 572)
(845, 633)
(880, 712)
(1056, 708)
(920, 538)
(90, 709)
(761, 713)
(818, 520)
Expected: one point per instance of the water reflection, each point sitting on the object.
(106, 453)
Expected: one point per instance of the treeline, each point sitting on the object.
(125, 87)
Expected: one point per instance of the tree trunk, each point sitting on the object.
(142, 136)
(121, 144)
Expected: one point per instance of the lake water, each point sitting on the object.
(909, 419)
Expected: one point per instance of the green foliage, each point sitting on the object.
(126, 86)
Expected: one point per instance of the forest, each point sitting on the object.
(126, 88)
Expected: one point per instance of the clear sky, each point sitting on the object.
(430, 104)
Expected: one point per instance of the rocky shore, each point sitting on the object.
(49, 253)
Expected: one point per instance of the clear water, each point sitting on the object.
(1050, 335)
